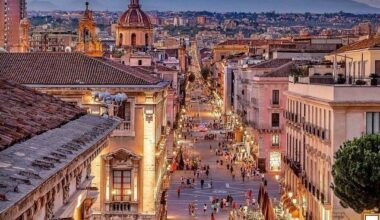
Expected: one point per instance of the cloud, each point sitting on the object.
(373, 3)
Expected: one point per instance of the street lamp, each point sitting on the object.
(277, 177)
(290, 194)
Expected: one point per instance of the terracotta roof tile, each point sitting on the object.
(249, 42)
(69, 69)
(25, 113)
(363, 44)
(275, 63)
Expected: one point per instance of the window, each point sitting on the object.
(276, 140)
(275, 120)
(120, 39)
(121, 190)
(140, 62)
(123, 111)
(146, 40)
(275, 97)
(133, 39)
(373, 122)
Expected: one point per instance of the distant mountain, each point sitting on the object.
(317, 6)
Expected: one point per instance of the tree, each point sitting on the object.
(356, 173)
(191, 77)
(205, 73)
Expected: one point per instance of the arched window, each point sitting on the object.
(133, 39)
(146, 40)
(120, 39)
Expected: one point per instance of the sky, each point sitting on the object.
(318, 6)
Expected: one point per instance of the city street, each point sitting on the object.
(222, 182)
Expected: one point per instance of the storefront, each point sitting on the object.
(275, 161)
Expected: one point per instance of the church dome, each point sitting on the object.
(135, 17)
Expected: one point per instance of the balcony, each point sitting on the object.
(122, 208)
(275, 104)
(294, 166)
(124, 130)
(322, 134)
(334, 91)
(292, 117)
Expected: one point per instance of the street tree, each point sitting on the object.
(205, 73)
(356, 174)
(191, 77)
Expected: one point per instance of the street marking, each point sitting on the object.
(227, 185)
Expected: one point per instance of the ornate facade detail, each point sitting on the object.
(78, 179)
(88, 172)
(49, 209)
(66, 190)
(134, 29)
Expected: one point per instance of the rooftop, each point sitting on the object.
(27, 165)
(25, 113)
(250, 42)
(69, 69)
(272, 64)
(371, 42)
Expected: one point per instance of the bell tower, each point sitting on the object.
(88, 41)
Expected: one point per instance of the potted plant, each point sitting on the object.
(374, 78)
(360, 82)
(341, 79)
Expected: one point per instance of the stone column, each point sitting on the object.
(148, 179)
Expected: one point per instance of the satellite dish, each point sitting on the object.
(68, 49)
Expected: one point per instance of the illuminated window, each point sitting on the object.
(121, 190)
(276, 140)
(372, 217)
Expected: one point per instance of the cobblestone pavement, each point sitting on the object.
(223, 184)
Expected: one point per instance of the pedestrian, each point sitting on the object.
(262, 177)
(204, 208)
(212, 216)
(202, 183)
(179, 191)
(211, 183)
(189, 207)
(207, 172)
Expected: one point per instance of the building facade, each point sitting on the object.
(260, 103)
(136, 150)
(319, 118)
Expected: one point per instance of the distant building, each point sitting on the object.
(364, 28)
(53, 41)
(201, 20)
(14, 26)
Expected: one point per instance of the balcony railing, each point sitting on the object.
(275, 103)
(294, 166)
(292, 117)
(311, 129)
(124, 129)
